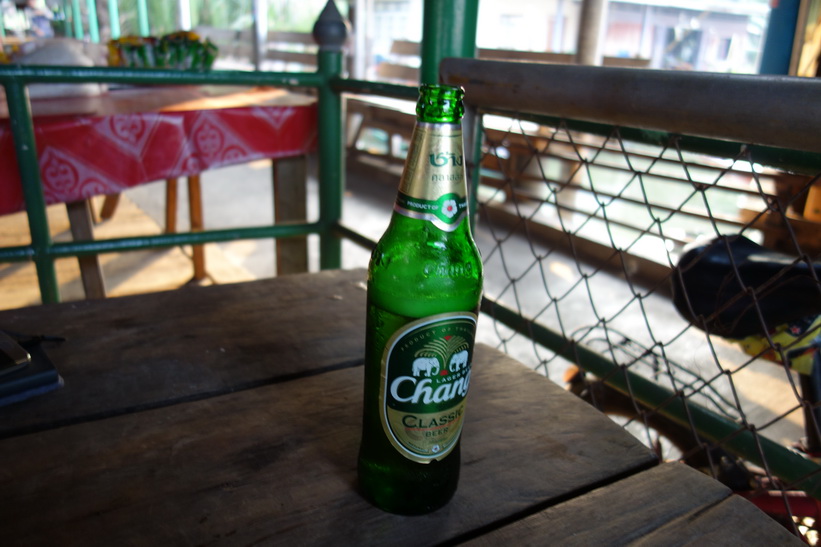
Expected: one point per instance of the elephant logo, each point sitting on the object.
(458, 361)
(429, 366)
(452, 350)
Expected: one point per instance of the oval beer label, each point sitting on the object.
(425, 378)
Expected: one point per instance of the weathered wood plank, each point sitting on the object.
(81, 218)
(671, 504)
(277, 464)
(289, 176)
(147, 350)
(733, 521)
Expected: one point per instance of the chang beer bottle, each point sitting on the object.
(424, 287)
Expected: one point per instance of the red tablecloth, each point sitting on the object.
(123, 138)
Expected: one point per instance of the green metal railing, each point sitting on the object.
(330, 32)
(43, 251)
(654, 107)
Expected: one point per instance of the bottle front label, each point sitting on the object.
(433, 181)
(425, 377)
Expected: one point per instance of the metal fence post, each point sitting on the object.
(330, 32)
(114, 18)
(142, 18)
(93, 26)
(77, 19)
(448, 30)
(22, 129)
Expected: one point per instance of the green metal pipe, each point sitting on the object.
(97, 246)
(476, 173)
(21, 253)
(114, 19)
(448, 30)
(22, 129)
(68, 20)
(142, 18)
(93, 25)
(344, 232)
(77, 19)
(331, 158)
(2, 25)
(61, 74)
(383, 89)
(797, 471)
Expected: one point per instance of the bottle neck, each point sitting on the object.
(433, 186)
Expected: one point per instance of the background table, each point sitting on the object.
(231, 414)
(104, 144)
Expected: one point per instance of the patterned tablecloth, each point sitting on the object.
(104, 144)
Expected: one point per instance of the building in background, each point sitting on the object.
(703, 35)
(718, 35)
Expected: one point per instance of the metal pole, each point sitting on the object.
(77, 19)
(93, 26)
(22, 129)
(330, 32)
(259, 10)
(448, 30)
(142, 18)
(557, 36)
(777, 54)
(184, 8)
(591, 27)
(114, 18)
(68, 19)
(361, 52)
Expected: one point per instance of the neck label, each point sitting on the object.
(446, 213)
(433, 186)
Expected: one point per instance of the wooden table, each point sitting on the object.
(231, 415)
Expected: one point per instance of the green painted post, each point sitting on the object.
(330, 32)
(77, 19)
(68, 19)
(142, 18)
(114, 18)
(22, 129)
(475, 128)
(448, 30)
(2, 25)
(93, 25)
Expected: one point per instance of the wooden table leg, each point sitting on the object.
(170, 206)
(110, 203)
(290, 180)
(197, 224)
(79, 216)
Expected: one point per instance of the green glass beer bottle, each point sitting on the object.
(424, 288)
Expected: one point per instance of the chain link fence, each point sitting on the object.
(669, 278)
(651, 242)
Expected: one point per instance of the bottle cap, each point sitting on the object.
(440, 103)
